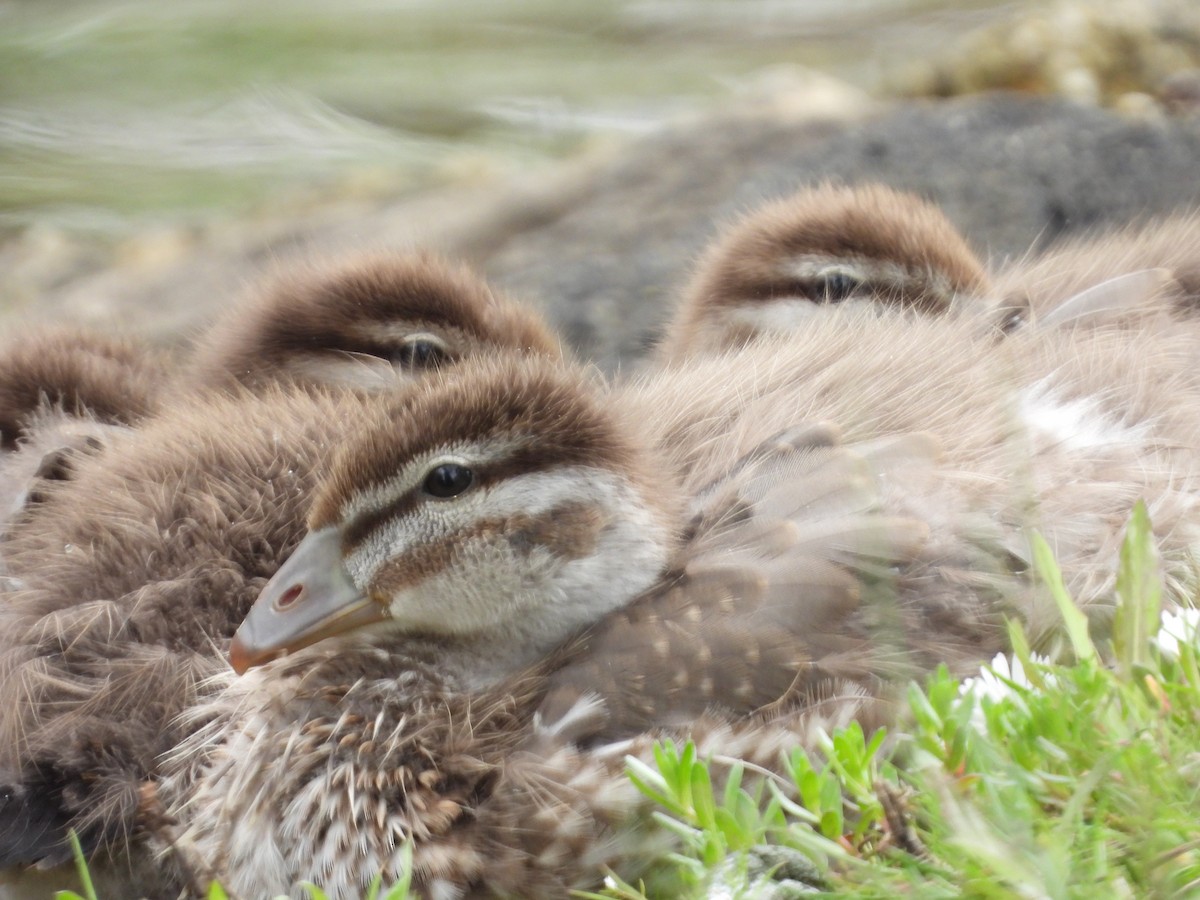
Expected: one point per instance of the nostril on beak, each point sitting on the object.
(288, 598)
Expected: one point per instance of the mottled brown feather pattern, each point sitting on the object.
(404, 755)
(777, 597)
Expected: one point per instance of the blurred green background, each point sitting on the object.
(115, 115)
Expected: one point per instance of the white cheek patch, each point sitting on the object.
(788, 314)
(1074, 425)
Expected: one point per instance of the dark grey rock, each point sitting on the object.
(1013, 172)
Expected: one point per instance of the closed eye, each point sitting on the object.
(836, 286)
(419, 352)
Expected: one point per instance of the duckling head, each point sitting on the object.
(363, 322)
(823, 247)
(497, 507)
(79, 375)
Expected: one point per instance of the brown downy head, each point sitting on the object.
(496, 507)
(822, 247)
(84, 375)
(63, 393)
(361, 322)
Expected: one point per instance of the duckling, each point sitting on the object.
(829, 248)
(513, 547)
(824, 246)
(358, 322)
(135, 573)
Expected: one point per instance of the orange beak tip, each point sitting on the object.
(239, 657)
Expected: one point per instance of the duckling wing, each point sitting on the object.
(777, 598)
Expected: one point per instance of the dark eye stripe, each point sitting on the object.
(521, 461)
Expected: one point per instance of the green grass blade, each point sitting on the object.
(81, 866)
(1074, 620)
(1139, 589)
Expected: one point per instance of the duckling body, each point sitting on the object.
(127, 585)
(783, 569)
(1172, 245)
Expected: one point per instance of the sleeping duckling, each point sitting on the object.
(822, 247)
(358, 323)
(826, 249)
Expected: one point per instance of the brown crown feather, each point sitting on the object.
(344, 308)
(104, 378)
(545, 409)
(745, 265)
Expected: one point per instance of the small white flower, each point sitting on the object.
(995, 682)
(1183, 626)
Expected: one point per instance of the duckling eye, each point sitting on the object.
(448, 480)
(839, 286)
(420, 353)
